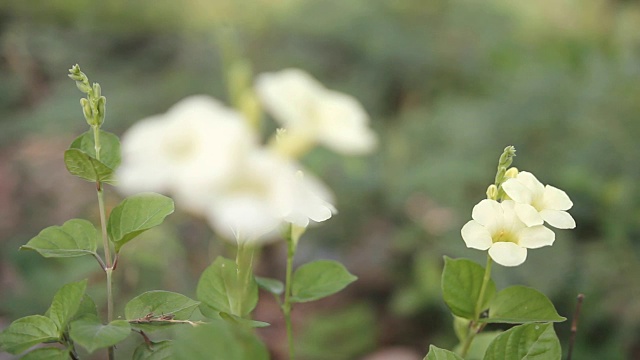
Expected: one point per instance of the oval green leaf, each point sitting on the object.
(219, 340)
(273, 286)
(91, 334)
(319, 279)
(520, 305)
(461, 283)
(109, 147)
(136, 214)
(75, 237)
(47, 353)
(66, 303)
(526, 342)
(236, 320)
(84, 166)
(159, 303)
(159, 351)
(27, 332)
(436, 353)
(219, 288)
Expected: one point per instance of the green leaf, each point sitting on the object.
(219, 340)
(87, 307)
(236, 320)
(461, 283)
(319, 279)
(135, 215)
(47, 353)
(479, 345)
(521, 304)
(161, 350)
(526, 342)
(436, 353)
(91, 334)
(158, 303)
(75, 237)
(66, 303)
(88, 168)
(27, 332)
(109, 147)
(219, 288)
(273, 286)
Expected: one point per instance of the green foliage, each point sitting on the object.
(161, 350)
(109, 147)
(218, 340)
(75, 237)
(273, 286)
(87, 167)
(27, 332)
(461, 283)
(319, 279)
(219, 289)
(66, 303)
(47, 353)
(526, 342)
(137, 214)
(91, 334)
(160, 302)
(520, 304)
(441, 354)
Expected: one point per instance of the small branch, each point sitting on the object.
(574, 325)
(102, 264)
(147, 341)
(151, 319)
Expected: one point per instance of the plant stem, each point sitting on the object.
(474, 327)
(105, 239)
(244, 265)
(286, 306)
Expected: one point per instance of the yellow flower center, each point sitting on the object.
(504, 236)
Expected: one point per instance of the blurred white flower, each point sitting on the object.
(536, 203)
(197, 141)
(312, 113)
(497, 228)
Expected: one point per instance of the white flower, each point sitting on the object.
(496, 227)
(311, 112)
(536, 203)
(197, 141)
(266, 191)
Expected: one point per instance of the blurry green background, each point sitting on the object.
(448, 84)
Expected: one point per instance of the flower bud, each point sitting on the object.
(86, 110)
(101, 107)
(97, 91)
(492, 192)
(511, 173)
(84, 87)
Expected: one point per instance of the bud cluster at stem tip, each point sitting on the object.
(94, 106)
(503, 164)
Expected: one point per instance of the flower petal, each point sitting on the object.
(556, 199)
(487, 212)
(476, 236)
(558, 219)
(536, 237)
(528, 214)
(508, 253)
(517, 191)
(531, 182)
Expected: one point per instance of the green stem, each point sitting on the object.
(474, 326)
(105, 239)
(286, 306)
(244, 265)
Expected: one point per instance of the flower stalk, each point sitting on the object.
(286, 305)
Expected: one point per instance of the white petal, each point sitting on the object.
(530, 181)
(528, 214)
(517, 191)
(558, 219)
(476, 236)
(508, 253)
(536, 237)
(487, 212)
(556, 199)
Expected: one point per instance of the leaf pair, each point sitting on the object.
(81, 159)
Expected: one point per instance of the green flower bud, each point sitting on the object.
(97, 91)
(76, 74)
(84, 87)
(87, 111)
(492, 192)
(511, 173)
(101, 107)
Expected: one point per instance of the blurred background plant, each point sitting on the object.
(448, 84)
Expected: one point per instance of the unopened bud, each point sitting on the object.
(86, 110)
(492, 192)
(102, 109)
(511, 173)
(84, 87)
(97, 91)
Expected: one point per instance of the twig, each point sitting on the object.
(574, 325)
(150, 318)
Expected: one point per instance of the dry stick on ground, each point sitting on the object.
(574, 325)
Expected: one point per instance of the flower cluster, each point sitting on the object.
(208, 157)
(510, 227)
